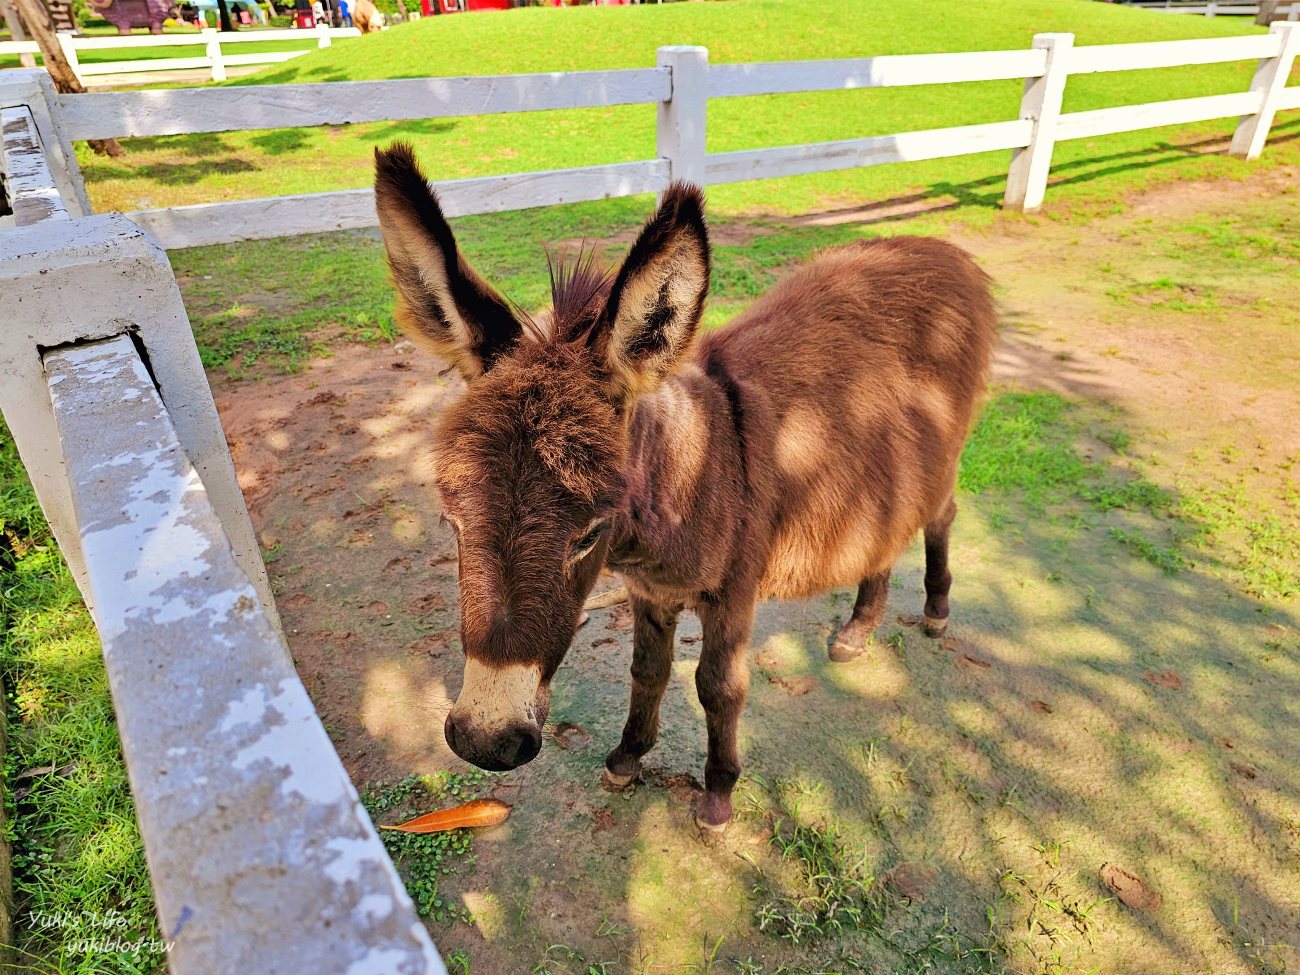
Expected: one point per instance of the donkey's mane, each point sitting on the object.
(579, 286)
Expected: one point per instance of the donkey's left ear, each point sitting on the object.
(656, 300)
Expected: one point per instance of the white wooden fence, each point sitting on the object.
(260, 854)
(211, 40)
(1222, 8)
(681, 85)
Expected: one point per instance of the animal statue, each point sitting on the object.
(126, 14)
(799, 448)
(366, 16)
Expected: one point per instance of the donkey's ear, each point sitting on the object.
(442, 300)
(655, 303)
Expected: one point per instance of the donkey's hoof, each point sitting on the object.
(711, 829)
(934, 628)
(613, 782)
(850, 642)
(842, 653)
(713, 813)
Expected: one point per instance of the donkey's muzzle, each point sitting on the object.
(498, 751)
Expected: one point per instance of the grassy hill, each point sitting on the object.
(231, 165)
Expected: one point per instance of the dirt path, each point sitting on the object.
(1088, 712)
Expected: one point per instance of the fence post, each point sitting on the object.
(323, 35)
(1041, 105)
(1270, 78)
(214, 53)
(67, 44)
(680, 131)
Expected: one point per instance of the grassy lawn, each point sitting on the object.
(179, 170)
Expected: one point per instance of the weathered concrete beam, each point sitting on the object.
(66, 281)
(29, 184)
(261, 856)
(33, 89)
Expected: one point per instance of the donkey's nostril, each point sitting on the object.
(455, 735)
(521, 745)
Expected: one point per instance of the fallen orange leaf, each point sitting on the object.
(475, 813)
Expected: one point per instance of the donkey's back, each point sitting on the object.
(859, 374)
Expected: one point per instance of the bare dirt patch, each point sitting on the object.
(1129, 889)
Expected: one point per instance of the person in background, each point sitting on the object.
(318, 11)
(345, 13)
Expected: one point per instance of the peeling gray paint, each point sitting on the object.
(68, 281)
(261, 856)
(30, 186)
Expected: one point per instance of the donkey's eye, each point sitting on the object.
(581, 546)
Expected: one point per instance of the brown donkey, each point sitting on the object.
(800, 448)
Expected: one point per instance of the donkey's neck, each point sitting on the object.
(682, 472)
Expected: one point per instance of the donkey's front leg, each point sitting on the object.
(652, 661)
(722, 681)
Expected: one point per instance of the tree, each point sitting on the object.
(225, 16)
(33, 17)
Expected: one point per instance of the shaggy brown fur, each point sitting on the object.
(800, 448)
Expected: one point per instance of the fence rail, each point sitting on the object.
(681, 86)
(29, 184)
(210, 39)
(1222, 8)
(181, 111)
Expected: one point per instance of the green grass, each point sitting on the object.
(826, 894)
(1027, 445)
(1024, 441)
(189, 169)
(77, 855)
(425, 859)
(837, 892)
(284, 301)
(270, 305)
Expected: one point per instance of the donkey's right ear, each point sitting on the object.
(442, 300)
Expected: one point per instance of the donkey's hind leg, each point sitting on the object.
(938, 580)
(868, 611)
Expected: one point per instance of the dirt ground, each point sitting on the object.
(1090, 718)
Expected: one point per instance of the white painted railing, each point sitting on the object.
(681, 85)
(1222, 8)
(211, 40)
(260, 854)
(29, 185)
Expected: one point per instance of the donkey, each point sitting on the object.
(797, 449)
